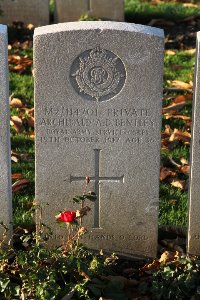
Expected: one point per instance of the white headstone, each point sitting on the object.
(34, 12)
(194, 200)
(5, 153)
(72, 10)
(98, 98)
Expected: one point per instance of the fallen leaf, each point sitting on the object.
(31, 121)
(180, 117)
(30, 26)
(183, 98)
(190, 51)
(18, 185)
(150, 268)
(16, 103)
(170, 52)
(166, 172)
(190, 5)
(17, 176)
(18, 63)
(31, 134)
(178, 183)
(14, 158)
(181, 84)
(185, 169)
(183, 161)
(181, 136)
(166, 256)
(174, 107)
(16, 122)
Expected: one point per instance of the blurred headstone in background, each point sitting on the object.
(34, 12)
(72, 10)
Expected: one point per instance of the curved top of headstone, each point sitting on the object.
(3, 28)
(101, 25)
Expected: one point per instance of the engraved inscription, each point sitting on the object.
(97, 181)
(97, 74)
(69, 125)
(108, 237)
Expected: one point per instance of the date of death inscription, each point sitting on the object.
(69, 125)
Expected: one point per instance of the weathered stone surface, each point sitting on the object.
(98, 114)
(5, 157)
(111, 10)
(34, 12)
(71, 10)
(194, 201)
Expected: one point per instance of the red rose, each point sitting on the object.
(67, 216)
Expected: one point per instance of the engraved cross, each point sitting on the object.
(97, 181)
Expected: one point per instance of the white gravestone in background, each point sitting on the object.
(72, 10)
(34, 12)
(98, 99)
(5, 153)
(194, 199)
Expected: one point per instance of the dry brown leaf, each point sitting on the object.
(178, 183)
(170, 52)
(14, 158)
(18, 185)
(149, 268)
(183, 161)
(190, 51)
(18, 63)
(174, 107)
(166, 172)
(166, 256)
(31, 134)
(16, 103)
(182, 98)
(30, 26)
(17, 176)
(16, 122)
(168, 131)
(174, 116)
(181, 136)
(190, 5)
(31, 121)
(181, 84)
(185, 169)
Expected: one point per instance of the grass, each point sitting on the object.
(144, 11)
(180, 66)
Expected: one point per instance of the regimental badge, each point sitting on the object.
(98, 74)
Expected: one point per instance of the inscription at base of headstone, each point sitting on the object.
(194, 201)
(34, 12)
(72, 10)
(98, 114)
(5, 152)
